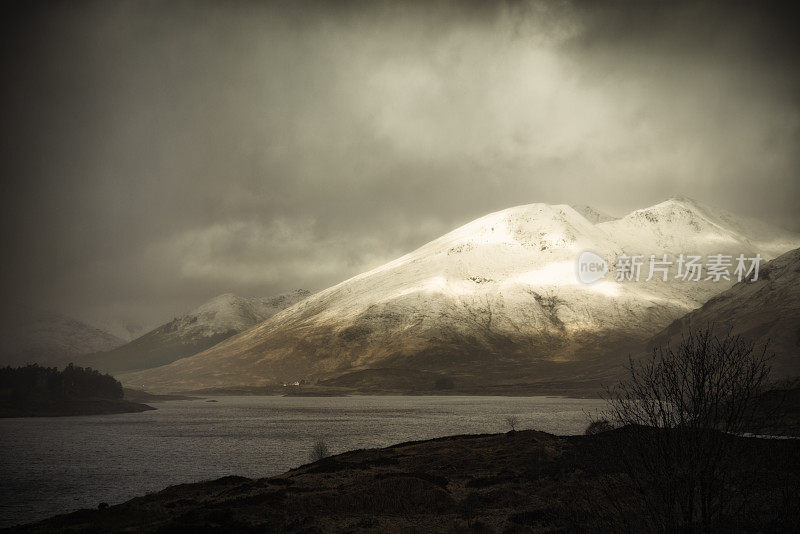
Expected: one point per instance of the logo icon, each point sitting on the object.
(591, 267)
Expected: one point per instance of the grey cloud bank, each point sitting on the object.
(156, 154)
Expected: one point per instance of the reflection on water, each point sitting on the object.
(56, 465)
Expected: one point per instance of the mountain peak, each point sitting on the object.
(681, 225)
(539, 231)
(208, 324)
(674, 202)
(220, 301)
(502, 288)
(229, 312)
(682, 199)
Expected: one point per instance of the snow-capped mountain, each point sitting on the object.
(765, 310)
(681, 225)
(206, 325)
(34, 336)
(493, 301)
(228, 313)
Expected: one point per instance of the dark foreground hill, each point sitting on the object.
(526, 481)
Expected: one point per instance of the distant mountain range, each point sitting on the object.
(199, 329)
(126, 330)
(764, 311)
(34, 336)
(496, 301)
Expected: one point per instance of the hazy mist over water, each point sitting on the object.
(56, 465)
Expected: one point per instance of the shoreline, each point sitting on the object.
(72, 408)
(257, 391)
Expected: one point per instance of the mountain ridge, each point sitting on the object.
(495, 299)
(766, 312)
(200, 328)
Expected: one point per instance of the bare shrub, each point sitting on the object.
(512, 421)
(319, 451)
(684, 409)
(598, 426)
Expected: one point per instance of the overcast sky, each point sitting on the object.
(156, 154)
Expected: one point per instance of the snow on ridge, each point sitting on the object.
(531, 225)
(536, 245)
(229, 313)
(682, 225)
(509, 275)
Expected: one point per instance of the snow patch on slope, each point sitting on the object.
(684, 226)
(229, 313)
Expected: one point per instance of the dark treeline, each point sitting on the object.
(34, 381)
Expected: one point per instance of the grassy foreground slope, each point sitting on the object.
(526, 481)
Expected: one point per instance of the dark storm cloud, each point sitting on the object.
(158, 153)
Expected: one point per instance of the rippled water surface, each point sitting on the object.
(60, 464)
